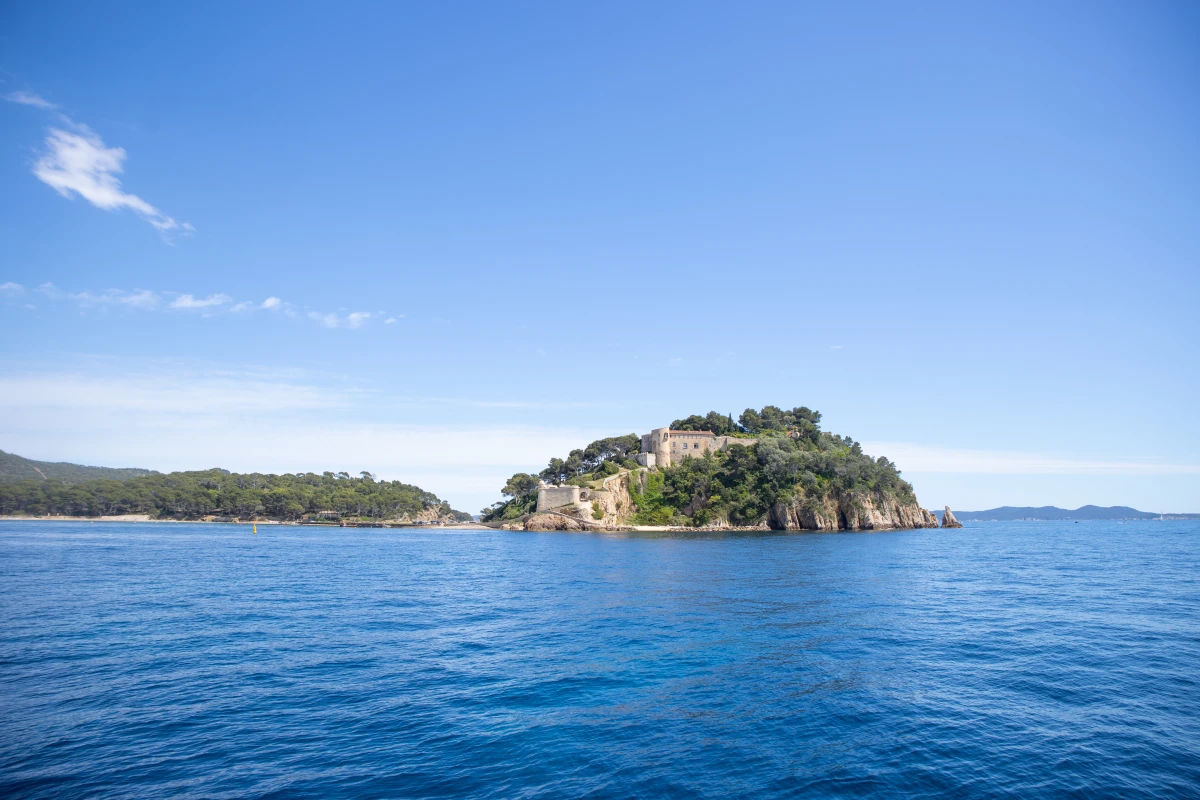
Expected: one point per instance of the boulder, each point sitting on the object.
(552, 522)
(948, 520)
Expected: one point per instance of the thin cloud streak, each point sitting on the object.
(180, 395)
(333, 319)
(210, 305)
(181, 419)
(919, 458)
(188, 301)
(30, 99)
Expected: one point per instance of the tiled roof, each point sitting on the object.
(694, 433)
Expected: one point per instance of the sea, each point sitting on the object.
(1017, 659)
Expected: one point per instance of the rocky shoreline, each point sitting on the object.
(863, 513)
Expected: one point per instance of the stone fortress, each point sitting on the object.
(661, 447)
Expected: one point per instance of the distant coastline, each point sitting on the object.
(1054, 513)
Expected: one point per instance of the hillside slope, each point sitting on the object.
(787, 475)
(17, 468)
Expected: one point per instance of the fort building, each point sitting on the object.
(561, 497)
(663, 447)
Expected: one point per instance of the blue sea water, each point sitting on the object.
(1004, 659)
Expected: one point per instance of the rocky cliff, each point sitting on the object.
(870, 511)
(612, 508)
(614, 500)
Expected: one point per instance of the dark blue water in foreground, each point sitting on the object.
(1023, 659)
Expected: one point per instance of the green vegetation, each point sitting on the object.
(792, 459)
(595, 462)
(594, 456)
(720, 424)
(216, 492)
(648, 497)
(16, 468)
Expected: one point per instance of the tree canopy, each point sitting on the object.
(788, 455)
(217, 492)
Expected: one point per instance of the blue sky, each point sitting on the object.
(445, 242)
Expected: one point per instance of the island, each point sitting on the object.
(771, 469)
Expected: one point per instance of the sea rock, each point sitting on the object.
(552, 522)
(872, 511)
(948, 520)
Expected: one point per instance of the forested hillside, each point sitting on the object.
(794, 468)
(17, 468)
(215, 492)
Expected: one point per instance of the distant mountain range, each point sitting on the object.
(17, 468)
(1054, 513)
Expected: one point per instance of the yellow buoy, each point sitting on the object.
(255, 526)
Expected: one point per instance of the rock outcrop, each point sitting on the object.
(552, 522)
(872, 511)
(614, 500)
(948, 520)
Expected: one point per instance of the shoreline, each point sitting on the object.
(145, 518)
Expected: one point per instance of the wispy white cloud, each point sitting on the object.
(78, 162)
(188, 301)
(140, 299)
(212, 304)
(333, 319)
(30, 99)
(931, 459)
(182, 393)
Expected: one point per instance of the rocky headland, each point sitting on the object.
(770, 470)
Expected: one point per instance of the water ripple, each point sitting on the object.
(1032, 660)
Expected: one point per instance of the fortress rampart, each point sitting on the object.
(551, 497)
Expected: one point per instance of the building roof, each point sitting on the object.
(694, 433)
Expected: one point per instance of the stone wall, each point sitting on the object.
(551, 497)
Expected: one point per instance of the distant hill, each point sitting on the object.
(1053, 512)
(16, 468)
